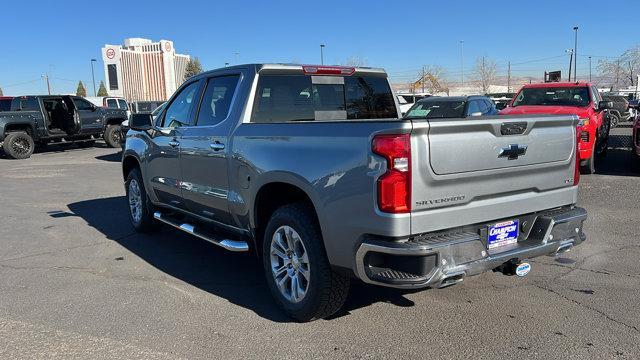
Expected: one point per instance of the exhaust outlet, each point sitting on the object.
(451, 280)
(564, 247)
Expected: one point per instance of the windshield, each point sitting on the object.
(567, 96)
(434, 109)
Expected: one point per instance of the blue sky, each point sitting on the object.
(60, 38)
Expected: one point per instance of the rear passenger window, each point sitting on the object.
(216, 101)
(27, 103)
(369, 97)
(122, 104)
(286, 98)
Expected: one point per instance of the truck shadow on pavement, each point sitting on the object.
(236, 277)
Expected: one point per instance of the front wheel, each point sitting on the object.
(296, 266)
(112, 136)
(140, 207)
(18, 145)
(589, 166)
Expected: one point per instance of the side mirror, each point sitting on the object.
(476, 114)
(141, 122)
(93, 107)
(603, 105)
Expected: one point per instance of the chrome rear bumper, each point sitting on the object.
(445, 258)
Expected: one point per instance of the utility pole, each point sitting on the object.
(46, 77)
(509, 78)
(422, 78)
(462, 62)
(93, 78)
(589, 68)
(321, 54)
(575, 55)
(631, 73)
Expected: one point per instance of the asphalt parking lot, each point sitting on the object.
(77, 282)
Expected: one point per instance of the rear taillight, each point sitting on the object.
(394, 186)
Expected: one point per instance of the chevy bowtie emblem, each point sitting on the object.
(513, 151)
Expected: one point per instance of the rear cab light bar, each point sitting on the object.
(328, 70)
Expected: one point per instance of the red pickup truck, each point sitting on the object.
(579, 98)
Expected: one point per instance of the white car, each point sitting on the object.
(110, 102)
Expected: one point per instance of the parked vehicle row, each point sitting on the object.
(313, 170)
(580, 99)
(51, 119)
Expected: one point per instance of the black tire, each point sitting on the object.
(112, 136)
(18, 145)
(326, 289)
(144, 222)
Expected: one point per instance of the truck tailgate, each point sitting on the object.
(472, 170)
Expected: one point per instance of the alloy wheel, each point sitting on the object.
(290, 264)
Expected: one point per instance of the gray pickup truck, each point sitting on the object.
(313, 170)
(55, 119)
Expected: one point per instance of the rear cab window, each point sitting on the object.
(25, 103)
(5, 104)
(303, 97)
(112, 103)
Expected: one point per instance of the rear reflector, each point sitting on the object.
(394, 186)
(328, 70)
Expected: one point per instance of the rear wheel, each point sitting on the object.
(112, 136)
(296, 266)
(140, 207)
(18, 145)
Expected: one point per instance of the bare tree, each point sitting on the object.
(622, 71)
(485, 73)
(355, 61)
(432, 80)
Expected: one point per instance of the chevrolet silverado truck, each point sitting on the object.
(580, 99)
(313, 170)
(55, 119)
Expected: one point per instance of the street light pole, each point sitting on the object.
(321, 54)
(589, 68)
(575, 55)
(93, 78)
(462, 61)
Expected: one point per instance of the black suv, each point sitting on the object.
(453, 107)
(50, 119)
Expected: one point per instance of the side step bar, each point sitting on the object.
(231, 245)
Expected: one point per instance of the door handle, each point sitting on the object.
(217, 146)
(174, 143)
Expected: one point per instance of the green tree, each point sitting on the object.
(193, 68)
(81, 91)
(102, 91)
(1, 93)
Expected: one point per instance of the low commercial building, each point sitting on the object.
(143, 70)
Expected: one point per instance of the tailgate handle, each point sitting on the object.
(516, 128)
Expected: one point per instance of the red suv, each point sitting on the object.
(581, 99)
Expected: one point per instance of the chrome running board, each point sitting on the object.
(231, 245)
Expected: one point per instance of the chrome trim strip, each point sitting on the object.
(231, 245)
